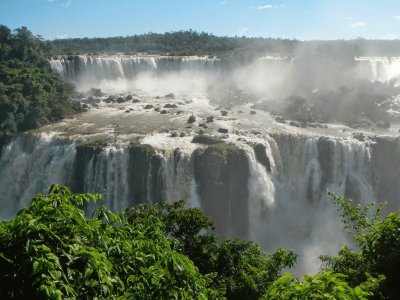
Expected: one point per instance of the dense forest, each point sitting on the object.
(201, 43)
(31, 94)
(52, 250)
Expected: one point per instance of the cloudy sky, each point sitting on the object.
(300, 19)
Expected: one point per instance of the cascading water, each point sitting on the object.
(266, 183)
(382, 69)
(111, 67)
(28, 165)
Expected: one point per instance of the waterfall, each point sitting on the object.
(110, 67)
(107, 173)
(382, 69)
(272, 191)
(28, 165)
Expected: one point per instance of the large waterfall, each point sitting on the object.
(108, 67)
(272, 190)
(263, 180)
(381, 68)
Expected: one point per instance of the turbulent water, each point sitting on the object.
(269, 186)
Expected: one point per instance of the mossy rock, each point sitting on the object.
(93, 145)
(207, 140)
(143, 148)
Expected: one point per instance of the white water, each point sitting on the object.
(29, 165)
(288, 207)
(382, 69)
(111, 67)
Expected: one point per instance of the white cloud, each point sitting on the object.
(270, 6)
(266, 6)
(242, 31)
(358, 24)
(396, 17)
(66, 3)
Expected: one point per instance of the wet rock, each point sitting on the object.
(182, 134)
(95, 92)
(168, 105)
(191, 119)
(109, 99)
(148, 106)
(206, 139)
(91, 100)
(174, 134)
(298, 124)
(224, 113)
(144, 173)
(223, 130)
(163, 112)
(252, 112)
(280, 120)
(129, 97)
(359, 136)
(203, 125)
(210, 119)
(260, 152)
(157, 109)
(120, 100)
(221, 174)
(127, 111)
(135, 101)
(170, 96)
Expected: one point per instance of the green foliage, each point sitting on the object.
(201, 43)
(50, 250)
(378, 261)
(241, 269)
(320, 286)
(31, 94)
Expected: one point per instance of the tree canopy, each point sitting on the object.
(31, 94)
(53, 250)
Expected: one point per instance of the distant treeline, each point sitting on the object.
(201, 43)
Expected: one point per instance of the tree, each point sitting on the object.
(378, 240)
(320, 286)
(50, 250)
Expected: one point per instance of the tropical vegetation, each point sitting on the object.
(53, 250)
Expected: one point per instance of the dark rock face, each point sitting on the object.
(206, 139)
(326, 158)
(221, 173)
(145, 180)
(261, 156)
(144, 173)
(386, 162)
(84, 154)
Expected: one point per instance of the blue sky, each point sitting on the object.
(308, 19)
